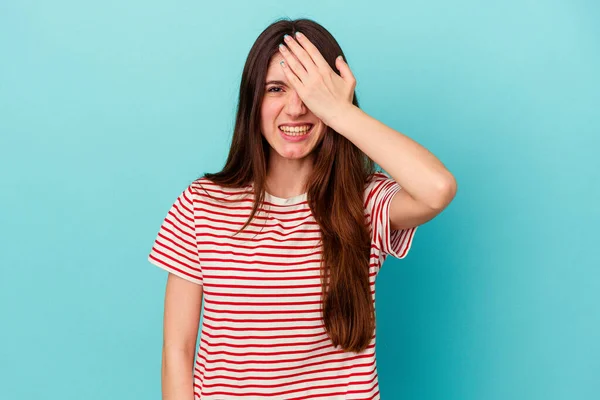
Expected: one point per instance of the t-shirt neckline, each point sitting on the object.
(283, 202)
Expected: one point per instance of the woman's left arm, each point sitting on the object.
(428, 187)
(414, 167)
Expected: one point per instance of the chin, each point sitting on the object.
(290, 150)
(294, 154)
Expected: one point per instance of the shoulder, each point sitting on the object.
(377, 182)
(205, 191)
(377, 177)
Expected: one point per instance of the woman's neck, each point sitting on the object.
(287, 178)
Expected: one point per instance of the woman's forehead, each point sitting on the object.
(274, 71)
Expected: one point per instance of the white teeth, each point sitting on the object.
(295, 130)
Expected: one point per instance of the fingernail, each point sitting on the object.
(299, 34)
(287, 38)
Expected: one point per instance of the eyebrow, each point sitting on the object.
(275, 83)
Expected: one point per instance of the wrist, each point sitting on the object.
(339, 116)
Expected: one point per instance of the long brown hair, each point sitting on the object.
(335, 189)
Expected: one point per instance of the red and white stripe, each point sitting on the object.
(262, 334)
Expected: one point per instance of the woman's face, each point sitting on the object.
(282, 110)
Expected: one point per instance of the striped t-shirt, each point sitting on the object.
(262, 335)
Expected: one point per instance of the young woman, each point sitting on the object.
(285, 242)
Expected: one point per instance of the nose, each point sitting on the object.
(294, 105)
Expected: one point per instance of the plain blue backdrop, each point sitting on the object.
(109, 109)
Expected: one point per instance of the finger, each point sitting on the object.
(293, 63)
(344, 69)
(291, 76)
(314, 53)
(301, 54)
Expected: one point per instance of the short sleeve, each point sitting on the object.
(378, 198)
(176, 248)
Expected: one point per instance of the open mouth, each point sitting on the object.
(294, 134)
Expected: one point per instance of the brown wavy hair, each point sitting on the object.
(335, 189)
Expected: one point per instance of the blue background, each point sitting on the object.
(108, 109)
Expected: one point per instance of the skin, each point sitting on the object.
(290, 163)
(428, 186)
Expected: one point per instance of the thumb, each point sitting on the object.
(344, 69)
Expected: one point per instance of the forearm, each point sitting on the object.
(177, 374)
(416, 169)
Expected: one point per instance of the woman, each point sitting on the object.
(286, 241)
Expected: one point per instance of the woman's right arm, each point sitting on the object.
(183, 303)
